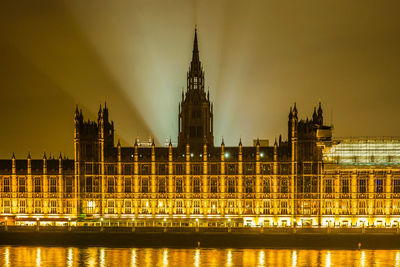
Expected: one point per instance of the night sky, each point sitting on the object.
(259, 57)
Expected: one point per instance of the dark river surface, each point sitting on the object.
(99, 256)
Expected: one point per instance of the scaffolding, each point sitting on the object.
(363, 151)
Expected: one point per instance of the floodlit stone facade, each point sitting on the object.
(307, 179)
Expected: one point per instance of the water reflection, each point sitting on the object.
(165, 257)
(229, 258)
(197, 258)
(94, 256)
(328, 259)
(38, 260)
(294, 258)
(6, 256)
(133, 257)
(261, 258)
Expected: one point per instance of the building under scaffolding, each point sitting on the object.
(364, 151)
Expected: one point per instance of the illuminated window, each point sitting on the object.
(128, 206)
(53, 185)
(362, 185)
(53, 206)
(110, 206)
(362, 207)
(231, 206)
(161, 185)
(249, 206)
(284, 185)
(266, 186)
(266, 169)
(197, 169)
(345, 185)
(396, 207)
(379, 183)
(6, 184)
(22, 184)
(145, 169)
(213, 168)
(69, 206)
(231, 168)
(128, 169)
(345, 207)
(96, 184)
(145, 206)
(379, 207)
(196, 206)
(145, 185)
(266, 206)
(249, 168)
(178, 185)
(6, 206)
(214, 206)
(249, 185)
(22, 206)
(396, 185)
(128, 185)
(161, 207)
(38, 206)
(38, 185)
(162, 169)
(284, 209)
(90, 207)
(214, 185)
(328, 186)
(179, 169)
(196, 185)
(179, 207)
(231, 185)
(110, 185)
(69, 185)
(88, 186)
(328, 207)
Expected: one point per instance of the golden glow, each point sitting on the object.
(294, 258)
(229, 258)
(70, 257)
(38, 257)
(7, 257)
(261, 258)
(165, 257)
(102, 257)
(328, 259)
(197, 258)
(362, 258)
(133, 257)
(60, 256)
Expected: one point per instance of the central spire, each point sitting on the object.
(195, 112)
(195, 74)
(195, 56)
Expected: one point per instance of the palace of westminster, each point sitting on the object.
(307, 180)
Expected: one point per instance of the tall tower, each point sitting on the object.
(195, 120)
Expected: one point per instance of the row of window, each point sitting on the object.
(144, 206)
(362, 185)
(195, 168)
(304, 185)
(53, 205)
(53, 184)
(92, 184)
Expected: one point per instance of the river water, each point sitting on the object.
(141, 257)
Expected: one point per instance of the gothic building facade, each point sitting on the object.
(308, 179)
